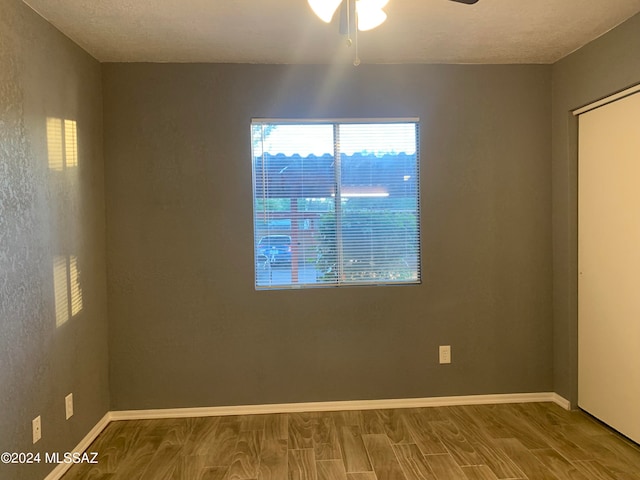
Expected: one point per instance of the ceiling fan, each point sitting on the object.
(368, 13)
(362, 14)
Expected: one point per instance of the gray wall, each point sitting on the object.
(603, 67)
(44, 214)
(187, 327)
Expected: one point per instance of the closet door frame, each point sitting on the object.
(609, 261)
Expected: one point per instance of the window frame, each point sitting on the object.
(337, 154)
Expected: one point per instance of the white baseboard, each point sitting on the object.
(561, 401)
(340, 405)
(62, 468)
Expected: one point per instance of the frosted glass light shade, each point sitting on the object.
(324, 9)
(370, 14)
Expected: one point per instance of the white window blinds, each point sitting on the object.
(335, 203)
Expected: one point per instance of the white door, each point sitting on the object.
(609, 264)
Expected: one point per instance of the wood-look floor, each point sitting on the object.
(517, 441)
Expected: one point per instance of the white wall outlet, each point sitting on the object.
(37, 429)
(68, 406)
(445, 353)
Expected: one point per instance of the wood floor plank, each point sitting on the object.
(112, 431)
(594, 470)
(577, 418)
(351, 418)
(301, 429)
(424, 434)
(395, 427)
(388, 422)
(413, 463)
(383, 460)
(546, 413)
(252, 422)
(135, 462)
(331, 470)
(622, 448)
(302, 465)
(428, 414)
(445, 467)
(353, 450)
(398, 430)
(273, 459)
(617, 455)
(140, 454)
(559, 465)
(456, 443)
(221, 448)
(276, 426)
(467, 443)
(86, 472)
(587, 425)
(479, 472)
(203, 433)
(212, 473)
(324, 429)
(555, 428)
(492, 455)
(122, 440)
(563, 439)
(361, 476)
(163, 463)
(533, 468)
(506, 421)
(373, 421)
(591, 446)
(325, 439)
(191, 467)
(328, 451)
(171, 430)
(246, 457)
(88, 476)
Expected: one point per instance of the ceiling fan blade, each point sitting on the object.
(324, 9)
(467, 2)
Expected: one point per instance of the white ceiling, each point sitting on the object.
(286, 31)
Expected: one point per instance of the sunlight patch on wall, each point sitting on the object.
(67, 289)
(54, 144)
(71, 143)
(74, 283)
(62, 143)
(60, 289)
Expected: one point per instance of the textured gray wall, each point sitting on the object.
(48, 213)
(186, 326)
(605, 66)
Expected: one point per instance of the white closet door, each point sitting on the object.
(609, 264)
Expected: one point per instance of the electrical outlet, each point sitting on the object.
(37, 429)
(68, 406)
(445, 353)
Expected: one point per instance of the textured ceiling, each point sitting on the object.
(286, 31)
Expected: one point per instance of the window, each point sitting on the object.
(335, 203)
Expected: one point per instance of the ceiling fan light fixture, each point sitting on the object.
(324, 9)
(373, 4)
(370, 14)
